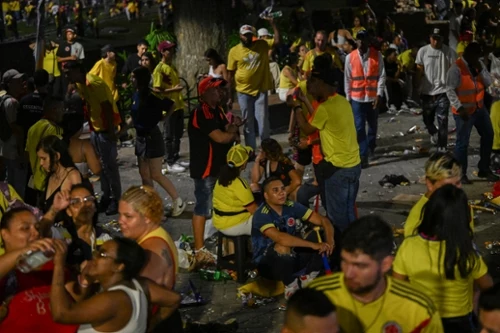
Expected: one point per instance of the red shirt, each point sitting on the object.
(29, 309)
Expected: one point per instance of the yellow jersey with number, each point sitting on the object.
(401, 309)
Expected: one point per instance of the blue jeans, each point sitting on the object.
(203, 194)
(364, 113)
(254, 108)
(437, 106)
(108, 155)
(481, 121)
(341, 190)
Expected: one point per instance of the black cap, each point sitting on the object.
(328, 76)
(107, 48)
(436, 33)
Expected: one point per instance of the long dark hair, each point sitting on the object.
(52, 145)
(228, 174)
(446, 217)
(274, 151)
(212, 54)
(143, 77)
(152, 60)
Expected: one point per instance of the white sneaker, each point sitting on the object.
(393, 108)
(291, 289)
(404, 107)
(178, 207)
(306, 279)
(175, 168)
(184, 164)
(434, 139)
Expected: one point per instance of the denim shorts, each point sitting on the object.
(203, 193)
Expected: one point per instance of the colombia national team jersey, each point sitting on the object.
(401, 309)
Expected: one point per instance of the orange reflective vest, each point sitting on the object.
(364, 85)
(470, 92)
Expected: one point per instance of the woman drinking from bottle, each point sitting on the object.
(25, 296)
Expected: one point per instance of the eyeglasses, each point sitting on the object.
(98, 254)
(81, 201)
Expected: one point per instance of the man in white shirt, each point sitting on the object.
(433, 62)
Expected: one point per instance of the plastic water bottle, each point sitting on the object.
(32, 260)
(268, 12)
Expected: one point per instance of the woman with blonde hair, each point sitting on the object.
(440, 169)
(140, 215)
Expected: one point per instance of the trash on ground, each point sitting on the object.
(215, 275)
(390, 181)
(413, 129)
(493, 246)
(192, 296)
(252, 301)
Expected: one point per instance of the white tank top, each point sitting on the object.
(212, 74)
(138, 320)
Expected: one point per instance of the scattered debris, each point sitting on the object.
(413, 129)
(389, 181)
(252, 301)
(493, 246)
(215, 275)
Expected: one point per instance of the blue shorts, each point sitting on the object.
(203, 193)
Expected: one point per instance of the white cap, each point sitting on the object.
(262, 32)
(247, 29)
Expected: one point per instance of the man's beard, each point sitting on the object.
(361, 291)
(246, 43)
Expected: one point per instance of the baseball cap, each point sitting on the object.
(70, 29)
(436, 33)
(107, 48)
(165, 45)
(247, 29)
(238, 155)
(210, 82)
(263, 32)
(10, 75)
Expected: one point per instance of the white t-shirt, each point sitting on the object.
(8, 149)
(455, 22)
(436, 63)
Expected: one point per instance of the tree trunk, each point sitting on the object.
(199, 25)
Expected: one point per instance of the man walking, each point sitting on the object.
(466, 81)
(103, 120)
(364, 87)
(248, 65)
(433, 61)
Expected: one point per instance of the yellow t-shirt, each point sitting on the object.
(95, 92)
(461, 46)
(251, 66)
(418, 259)
(299, 41)
(50, 63)
(335, 121)
(5, 6)
(285, 82)
(8, 20)
(407, 60)
(131, 7)
(164, 235)
(232, 199)
(37, 132)
(402, 308)
(107, 72)
(308, 64)
(415, 218)
(166, 77)
(15, 6)
(356, 30)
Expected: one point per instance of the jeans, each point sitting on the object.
(108, 155)
(254, 108)
(439, 106)
(341, 190)
(306, 192)
(203, 194)
(464, 324)
(173, 130)
(17, 174)
(364, 113)
(481, 121)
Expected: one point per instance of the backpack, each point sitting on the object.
(5, 129)
(16, 203)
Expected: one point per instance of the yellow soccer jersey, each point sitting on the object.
(401, 309)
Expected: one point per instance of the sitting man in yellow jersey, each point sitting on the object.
(440, 169)
(103, 119)
(340, 168)
(366, 298)
(248, 65)
(310, 311)
(489, 310)
(53, 110)
(321, 42)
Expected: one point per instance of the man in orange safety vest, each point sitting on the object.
(364, 77)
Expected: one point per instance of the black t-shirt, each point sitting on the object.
(206, 155)
(63, 51)
(146, 115)
(282, 171)
(30, 110)
(391, 69)
(133, 61)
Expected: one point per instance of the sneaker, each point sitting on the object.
(112, 208)
(184, 164)
(204, 258)
(291, 289)
(404, 107)
(175, 168)
(465, 180)
(178, 207)
(489, 175)
(434, 138)
(306, 279)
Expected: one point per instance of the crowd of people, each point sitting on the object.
(80, 278)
